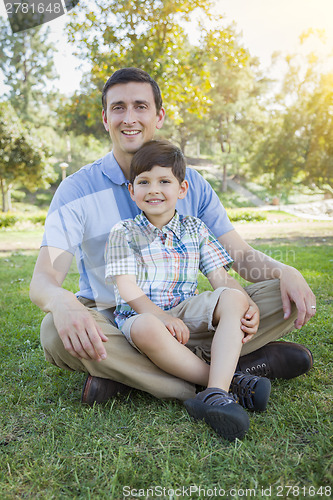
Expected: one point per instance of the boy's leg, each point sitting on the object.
(152, 337)
(123, 363)
(227, 340)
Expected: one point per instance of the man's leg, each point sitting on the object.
(267, 296)
(262, 356)
(123, 364)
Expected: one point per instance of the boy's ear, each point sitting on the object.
(183, 189)
(131, 190)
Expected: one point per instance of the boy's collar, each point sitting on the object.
(173, 225)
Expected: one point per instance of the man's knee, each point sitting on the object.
(54, 350)
(49, 336)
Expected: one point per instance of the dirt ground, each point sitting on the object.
(307, 232)
(282, 229)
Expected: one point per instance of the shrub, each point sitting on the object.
(38, 218)
(245, 215)
(7, 219)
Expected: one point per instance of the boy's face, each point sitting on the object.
(156, 193)
(131, 118)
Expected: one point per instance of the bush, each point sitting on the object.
(245, 215)
(38, 218)
(7, 219)
(43, 199)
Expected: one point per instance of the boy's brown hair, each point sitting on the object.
(161, 154)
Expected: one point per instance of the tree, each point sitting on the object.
(297, 145)
(23, 159)
(149, 34)
(26, 60)
(236, 85)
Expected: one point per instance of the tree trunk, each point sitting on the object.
(3, 196)
(9, 198)
(224, 179)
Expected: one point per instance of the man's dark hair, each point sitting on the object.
(161, 154)
(126, 75)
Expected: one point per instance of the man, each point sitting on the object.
(79, 332)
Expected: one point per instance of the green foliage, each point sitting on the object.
(27, 64)
(239, 215)
(38, 218)
(297, 144)
(23, 159)
(8, 219)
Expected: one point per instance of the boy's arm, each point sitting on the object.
(250, 322)
(138, 300)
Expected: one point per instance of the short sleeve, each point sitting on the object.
(212, 254)
(119, 256)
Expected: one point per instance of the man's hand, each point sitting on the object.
(250, 322)
(80, 334)
(295, 289)
(176, 327)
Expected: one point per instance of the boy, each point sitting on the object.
(154, 260)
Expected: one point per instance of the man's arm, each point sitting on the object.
(255, 266)
(80, 334)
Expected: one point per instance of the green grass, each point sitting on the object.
(52, 447)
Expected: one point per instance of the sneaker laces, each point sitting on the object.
(243, 388)
(215, 396)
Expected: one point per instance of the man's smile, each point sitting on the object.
(130, 132)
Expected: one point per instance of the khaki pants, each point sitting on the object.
(125, 364)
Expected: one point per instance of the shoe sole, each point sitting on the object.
(229, 422)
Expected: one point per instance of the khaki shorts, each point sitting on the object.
(196, 312)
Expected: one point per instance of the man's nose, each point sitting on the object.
(129, 117)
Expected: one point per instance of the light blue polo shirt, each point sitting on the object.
(91, 201)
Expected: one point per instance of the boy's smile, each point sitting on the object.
(156, 193)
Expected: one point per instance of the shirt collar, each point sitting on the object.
(111, 168)
(173, 225)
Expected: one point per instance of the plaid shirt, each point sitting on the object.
(165, 262)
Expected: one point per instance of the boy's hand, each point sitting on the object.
(250, 323)
(177, 328)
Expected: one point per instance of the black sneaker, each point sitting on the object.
(252, 392)
(221, 411)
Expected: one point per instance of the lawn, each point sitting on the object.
(139, 447)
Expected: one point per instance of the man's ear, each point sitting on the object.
(160, 118)
(105, 121)
(183, 189)
(131, 190)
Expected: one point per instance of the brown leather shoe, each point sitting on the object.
(277, 360)
(100, 390)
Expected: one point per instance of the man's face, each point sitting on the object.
(131, 118)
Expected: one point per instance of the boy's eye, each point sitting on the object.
(165, 181)
(143, 182)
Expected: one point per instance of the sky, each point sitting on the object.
(266, 26)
